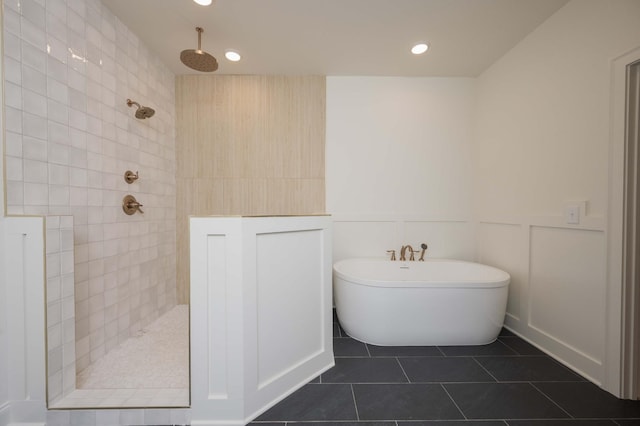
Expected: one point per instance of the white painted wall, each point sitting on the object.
(542, 138)
(408, 159)
(398, 164)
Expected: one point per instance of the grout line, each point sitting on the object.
(402, 368)
(355, 404)
(452, 400)
(485, 369)
(549, 398)
(507, 345)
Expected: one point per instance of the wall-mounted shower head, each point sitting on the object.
(142, 112)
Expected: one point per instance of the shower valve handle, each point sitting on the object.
(130, 205)
(135, 206)
(130, 177)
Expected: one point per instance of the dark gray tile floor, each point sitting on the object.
(508, 382)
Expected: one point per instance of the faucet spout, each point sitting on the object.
(403, 253)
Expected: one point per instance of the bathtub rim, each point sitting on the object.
(459, 284)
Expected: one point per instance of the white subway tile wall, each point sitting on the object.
(70, 66)
(61, 350)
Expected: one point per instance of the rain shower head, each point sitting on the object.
(198, 59)
(142, 112)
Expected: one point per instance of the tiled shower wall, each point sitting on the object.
(61, 350)
(70, 66)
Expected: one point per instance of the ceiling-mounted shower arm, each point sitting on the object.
(200, 31)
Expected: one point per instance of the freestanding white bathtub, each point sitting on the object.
(436, 302)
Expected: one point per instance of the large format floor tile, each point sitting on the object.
(495, 348)
(346, 346)
(586, 400)
(404, 402)
(455, 423)
(506, 383)
(315, 402)
(520, 346)
(433, 369)
(527, 369)
(365, 370)
(345, 424)
(562, 422)
(404, 350)
(503, 401)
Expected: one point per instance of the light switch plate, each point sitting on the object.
(574, 211)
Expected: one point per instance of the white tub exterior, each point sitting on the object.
(436, 302)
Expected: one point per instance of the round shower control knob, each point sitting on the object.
(130, 205)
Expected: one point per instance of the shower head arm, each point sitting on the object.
(200, 31)
(141, 112)
(130, 103)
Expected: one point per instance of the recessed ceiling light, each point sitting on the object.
(232, 55)
(419, 48)
(203, 2)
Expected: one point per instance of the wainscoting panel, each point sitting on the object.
(567, 292)
(558, 284)
(282, 343)
(363, 236)
(364, 239)
(445, 239)
(24, 273)
(500, 245)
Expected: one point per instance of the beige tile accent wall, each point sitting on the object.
(247, 145)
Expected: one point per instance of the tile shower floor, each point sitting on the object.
(150, 369)
(508, 382)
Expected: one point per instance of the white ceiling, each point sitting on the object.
(337, 37)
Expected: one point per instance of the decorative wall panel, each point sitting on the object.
(247, 145)
(567, 295)
(501, 245)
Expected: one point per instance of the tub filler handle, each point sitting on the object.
(393, 254)
(424, 248)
